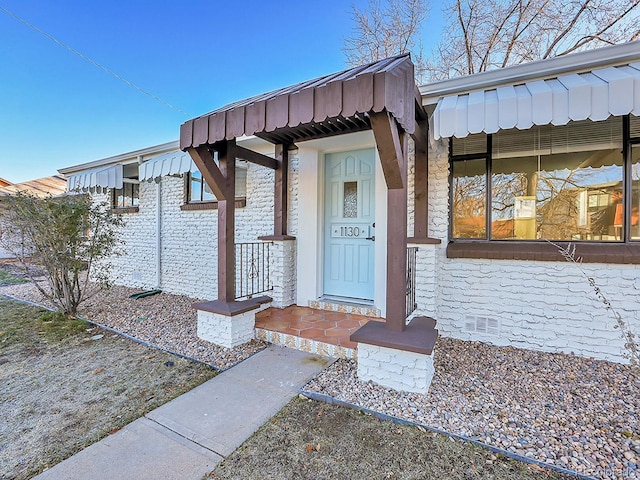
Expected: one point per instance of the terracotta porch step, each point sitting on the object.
(311, 330)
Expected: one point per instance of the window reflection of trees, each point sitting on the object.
(564, 198)
(566, 181)
(469, 199)
(635, 198)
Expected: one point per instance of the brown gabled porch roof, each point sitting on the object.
(330, 105)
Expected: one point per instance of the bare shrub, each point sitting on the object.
(70, 237)
(630, 343)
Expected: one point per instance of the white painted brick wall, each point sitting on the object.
(411, 170)
(138, 236)
(228, 332)
(397, 369)
(294, 170)
(189, 244)
(283, 273)
(189, 238)
(426, 279)
(545, 306)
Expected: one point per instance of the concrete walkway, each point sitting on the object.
(187, 437)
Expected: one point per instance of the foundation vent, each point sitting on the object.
(486, 325)
(136, 276)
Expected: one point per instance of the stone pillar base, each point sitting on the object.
(282, 269)
(228, 324)
(224, 330)
(397, 369)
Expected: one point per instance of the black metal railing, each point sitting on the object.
(252, 268)
(411, 280)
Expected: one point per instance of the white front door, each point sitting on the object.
(349, 224)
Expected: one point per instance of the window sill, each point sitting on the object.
(596, 252)
(240, 203)
(424, 240)
(125, 210)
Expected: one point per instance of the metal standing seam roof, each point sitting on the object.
(332, 104)
(596, 95)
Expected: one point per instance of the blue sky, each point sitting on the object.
(57, 110)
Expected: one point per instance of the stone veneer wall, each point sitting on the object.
(189, 238)
(397, 369)
(544, 306)
(226, 331)
(135, 267)
(426, 285)
(283, 273)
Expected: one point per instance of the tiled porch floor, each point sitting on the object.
(324, 326)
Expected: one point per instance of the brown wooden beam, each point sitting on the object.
(211, 174)
(255, 157)
(385, 130)
(421, 183)
(226, 225)
(420, 135)
(280, 200)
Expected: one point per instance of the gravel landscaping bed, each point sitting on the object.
(164, 320)
(573, 412)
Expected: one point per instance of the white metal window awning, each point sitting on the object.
(173, 163)
(594, 95)
(105, 177)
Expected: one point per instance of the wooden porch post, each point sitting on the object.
(280, 201)
(221, 178)
(226, 226)
(397, 251)
(392, 148)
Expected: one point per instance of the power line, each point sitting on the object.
(90, 60)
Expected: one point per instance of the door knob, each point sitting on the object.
(372, 238)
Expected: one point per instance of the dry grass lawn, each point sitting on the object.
(66, 385)
(311, 440)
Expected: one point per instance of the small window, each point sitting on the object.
(199, 192)
(126, 197)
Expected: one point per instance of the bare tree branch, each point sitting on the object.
(497, 33)
(387, 30)
(562, 34)
(598, 36)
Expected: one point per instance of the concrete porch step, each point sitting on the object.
(345, 306)
(307, 345)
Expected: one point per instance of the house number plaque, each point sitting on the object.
(349, 230)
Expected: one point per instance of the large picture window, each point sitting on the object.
(558, 183)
